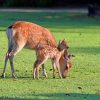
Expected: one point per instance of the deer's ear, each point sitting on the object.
(71, 55)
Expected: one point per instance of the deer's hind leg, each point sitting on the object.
(12, 51)
(10, 47)
(5, 64)
(17, 49)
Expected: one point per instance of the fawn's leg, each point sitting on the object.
(37, 64)
(58, 66)
(44, 71)
(36, 72)
(54, 68)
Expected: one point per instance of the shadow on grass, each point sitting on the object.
(59, 96)
(69, 96)
(2, 29)
(89, 50)
(13, 99)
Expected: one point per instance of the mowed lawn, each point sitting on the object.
(83, 81)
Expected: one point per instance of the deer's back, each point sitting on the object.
(32, 34)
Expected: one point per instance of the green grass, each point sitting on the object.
(83, 36)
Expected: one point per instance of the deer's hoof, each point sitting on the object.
(53, 76)
(3, 76)
(60, 77)
(14, 76)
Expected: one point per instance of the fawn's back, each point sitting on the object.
(47, 51)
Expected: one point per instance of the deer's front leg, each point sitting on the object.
(58, 67)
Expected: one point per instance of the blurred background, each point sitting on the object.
(47, 3)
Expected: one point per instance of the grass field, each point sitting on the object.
(83, 36)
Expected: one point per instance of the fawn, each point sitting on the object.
(44, 52)
(65, 59)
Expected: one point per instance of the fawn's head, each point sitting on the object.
(65, 64)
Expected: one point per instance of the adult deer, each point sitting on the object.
(26, 34)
